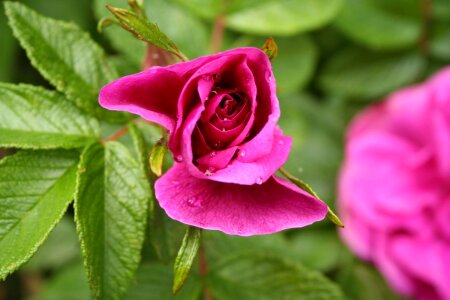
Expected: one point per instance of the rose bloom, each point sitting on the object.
(394, 188)
(221, 112)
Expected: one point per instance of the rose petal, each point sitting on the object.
(236, 209)
(216, 160)
(151, 94)
(251, 172)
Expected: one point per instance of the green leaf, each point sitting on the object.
(366, 24)
(145, 30)
(7, 50)
(361, 74)
(65, 55)
(185, 258)
(440, 42)
(154, 282)
(283, 17)
(111, 206)
(32, 117)
(261, 276)
(35, 189)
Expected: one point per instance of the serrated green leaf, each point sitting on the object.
(32, 117)
(65, 55)
(266, 277)
(358, 73)
(35, 189)
(283, 17)
(154, 282)
(145, 30)
(185, 258)
(143, 153)
(111, 206)
(366, 24)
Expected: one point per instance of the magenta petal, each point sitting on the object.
(151, 94)
(236, 209)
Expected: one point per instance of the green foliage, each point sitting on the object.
(360, 74)
(378, 29)
(78, 70)
(282, 17)
(185, 257)
(111, 214)
(334, 58)
(255, 271)
(30, 117)
(35, 189)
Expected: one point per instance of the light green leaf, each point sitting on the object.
(157, 154)
(35, 189)
(266, 277)
(185, 258)
(145, 30)
(364, 23)
(154, 282)
(359, 73)
(66, 56)
(111, 206)
(283, 17)
(7, 50)
(32, 117)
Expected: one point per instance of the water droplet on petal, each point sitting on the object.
(216, 77)
(259, 180)
(242, 153)
(280, 142)
(179, 158)
(223, 129)
(210, 171)
(212, 154)
(269, 75)
(225, 119)
(194, 202)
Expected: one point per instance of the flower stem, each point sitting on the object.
(426, 12)
(217, 34)
(116, 135)
(203, 270)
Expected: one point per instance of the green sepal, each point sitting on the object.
(185, 257)
(304, 186)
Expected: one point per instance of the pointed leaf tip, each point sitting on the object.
(185, 257)
(334, 218)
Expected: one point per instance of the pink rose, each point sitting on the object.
(394, 188)
(221, 112)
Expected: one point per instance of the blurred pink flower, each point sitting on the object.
(221, 112)
(394, 189)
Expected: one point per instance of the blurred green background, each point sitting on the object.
(335, 57)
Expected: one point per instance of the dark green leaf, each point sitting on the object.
(185, 258)
(111, 207)
(35, 189)
(32, 117)
(262, 276)
(154, 282)
(283, 17)
(375, 28)
(359, 73)
(66, 56)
